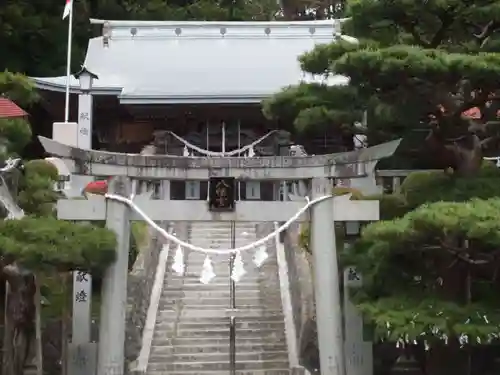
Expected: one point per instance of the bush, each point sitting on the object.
(435, 186)
(48, 243)
(16, 134)
(340, 190)
(391, 205)
(36, 188)
(42, 168)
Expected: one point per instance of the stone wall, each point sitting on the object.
(140, 284)
(302, 297)
(301, 294)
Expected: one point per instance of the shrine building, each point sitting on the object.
(203, 81)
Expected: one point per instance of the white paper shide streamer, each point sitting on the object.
(238, 270)
(207, 272)
(251, 153)
(178, 265)
(260, 256)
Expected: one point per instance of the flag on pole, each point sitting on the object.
(67, 8)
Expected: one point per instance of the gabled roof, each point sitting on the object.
(9, 109)
(175, 62)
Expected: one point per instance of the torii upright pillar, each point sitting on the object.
(114, 286)
(326, 281)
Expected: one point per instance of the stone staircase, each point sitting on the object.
(192, 328)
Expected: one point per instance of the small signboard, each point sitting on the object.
(222, 194)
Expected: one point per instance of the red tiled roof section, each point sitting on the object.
(475, 113)
(97, 187)
(472, 113)
(9, 109)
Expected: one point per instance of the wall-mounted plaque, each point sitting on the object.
(222, 194)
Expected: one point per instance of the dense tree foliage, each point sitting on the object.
(430, 271)
(425, 71)
(430, 276)
(38, 244)
(427, 65)
(56, 245)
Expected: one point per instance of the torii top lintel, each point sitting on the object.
(103, 163)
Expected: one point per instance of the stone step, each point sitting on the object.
(216, 243)
(224, 238)
(222, 225)
(225, 243)
(218, 313)
(250, 267)
(162, 341)
(220, 279)
(167, 305)
(241, 301)
(194, 271)
(239, 323)
(284, 371)
(192, 276)
(219, 357)
(215, 286)
(219, 285)
(221, 320)
(192, 330)
(241, 346)
(209, 303)
(216, 366)
(241, 235)
(216, 334)
(227, 228)
(218, 293)
(210, 235)
(211, 229)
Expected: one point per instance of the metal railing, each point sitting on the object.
(232, 306)
(392, 179)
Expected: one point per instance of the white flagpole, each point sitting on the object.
(68, 63)
(239, 146)
(223, 137)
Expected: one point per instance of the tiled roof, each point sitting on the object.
(472, 113)
(475, 113)
(97, 187)
(201, 61)
(8, 109)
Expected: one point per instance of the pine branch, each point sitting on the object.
(486, 32)
(485, 143)
(459, 253)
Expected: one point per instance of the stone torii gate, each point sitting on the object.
(318, 171)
